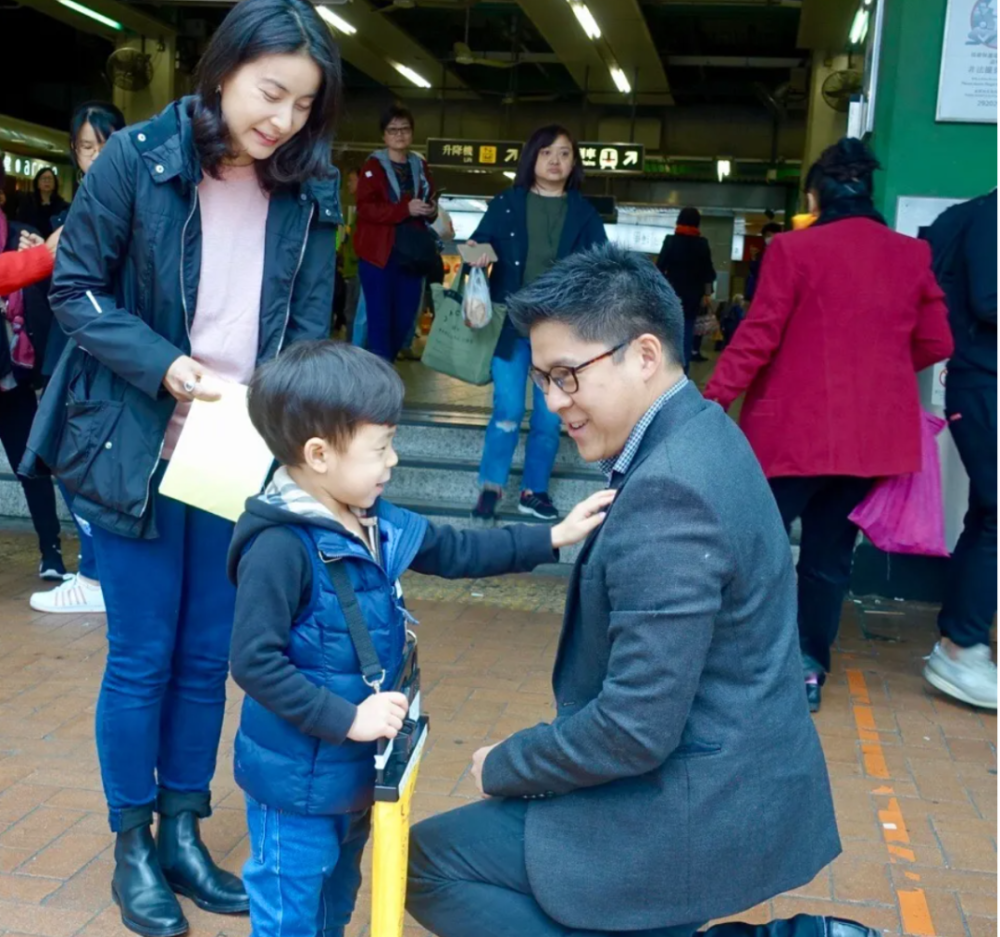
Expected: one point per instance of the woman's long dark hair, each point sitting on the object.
(843, 172)
(252, 29)
(103, 116)
(541, 138)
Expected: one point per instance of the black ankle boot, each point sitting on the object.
(138, 887)
(189, 868)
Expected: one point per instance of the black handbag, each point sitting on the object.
(416, 249)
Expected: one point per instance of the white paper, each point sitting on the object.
(220, 459)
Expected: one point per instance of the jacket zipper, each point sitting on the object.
(187, 328)
(194, 205)
(291, 288)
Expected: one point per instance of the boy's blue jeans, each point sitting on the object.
(503, 432)
(304, 872)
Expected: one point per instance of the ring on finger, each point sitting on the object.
(189, 386)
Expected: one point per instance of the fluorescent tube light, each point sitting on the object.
(93, 14)
(335, 21)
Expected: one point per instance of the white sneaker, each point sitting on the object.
(970, 676)
(71, 598)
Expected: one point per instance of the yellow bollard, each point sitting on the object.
(396, 769)
(391, 841)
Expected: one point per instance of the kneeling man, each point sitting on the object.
(681, 779)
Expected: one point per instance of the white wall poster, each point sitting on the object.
(967, 90)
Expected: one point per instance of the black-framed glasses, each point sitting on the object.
(398, 131)
(564, 377)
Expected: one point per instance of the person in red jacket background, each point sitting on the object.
(395, 190)
(846, 313)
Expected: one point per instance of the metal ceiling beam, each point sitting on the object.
(825, 24)
(379, 42)
(625, 40)
(735, 61)
(627, 33)
(133, 20)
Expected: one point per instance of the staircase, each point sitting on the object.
(437, 475)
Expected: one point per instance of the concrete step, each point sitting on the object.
(455, 482)
(462, 436)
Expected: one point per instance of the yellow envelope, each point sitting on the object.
(220, 459)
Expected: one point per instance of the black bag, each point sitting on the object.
(416, 249)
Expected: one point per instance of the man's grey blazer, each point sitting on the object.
(682, 779)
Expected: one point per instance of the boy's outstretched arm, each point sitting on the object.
(469, 554)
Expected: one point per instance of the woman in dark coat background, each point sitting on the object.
(686, 261)
(542, 218)
(45, 203)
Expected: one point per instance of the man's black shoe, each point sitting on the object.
(813, 696)
(148, 906)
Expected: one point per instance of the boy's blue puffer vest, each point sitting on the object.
(275, 763)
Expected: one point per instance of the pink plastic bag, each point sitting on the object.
(905, 513)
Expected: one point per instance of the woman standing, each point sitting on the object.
(686, 261)
(90, 127)
(18, 376)
(542, 218)
(395, 201)
(44, 204)
(845, 314)
(201, 243)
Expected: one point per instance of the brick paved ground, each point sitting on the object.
(914, 776)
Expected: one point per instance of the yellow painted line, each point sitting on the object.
(916, 914)
(913, 909)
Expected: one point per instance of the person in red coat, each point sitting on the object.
(395, 191)
(846, 313)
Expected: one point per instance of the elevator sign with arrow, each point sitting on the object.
(612, 158)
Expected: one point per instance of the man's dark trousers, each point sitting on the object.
(971, 599)
(468, 878)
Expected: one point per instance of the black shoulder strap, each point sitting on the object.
(364, 647)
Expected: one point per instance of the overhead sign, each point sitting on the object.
(506, 154)
(613, 157)
(25, 166)
(474, 154)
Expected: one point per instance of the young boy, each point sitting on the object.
(305, 748)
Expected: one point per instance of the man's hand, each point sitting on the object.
(478, 759)
(586, 517)
(379, 717)
(188, 379)
(29, 240)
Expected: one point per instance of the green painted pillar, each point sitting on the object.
(920, 156)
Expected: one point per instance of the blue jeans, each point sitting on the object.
(502, 434)
(88, 560)
(304, 872)
(392, 301)
(170, 617)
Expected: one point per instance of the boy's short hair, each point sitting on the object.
(324, 390)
